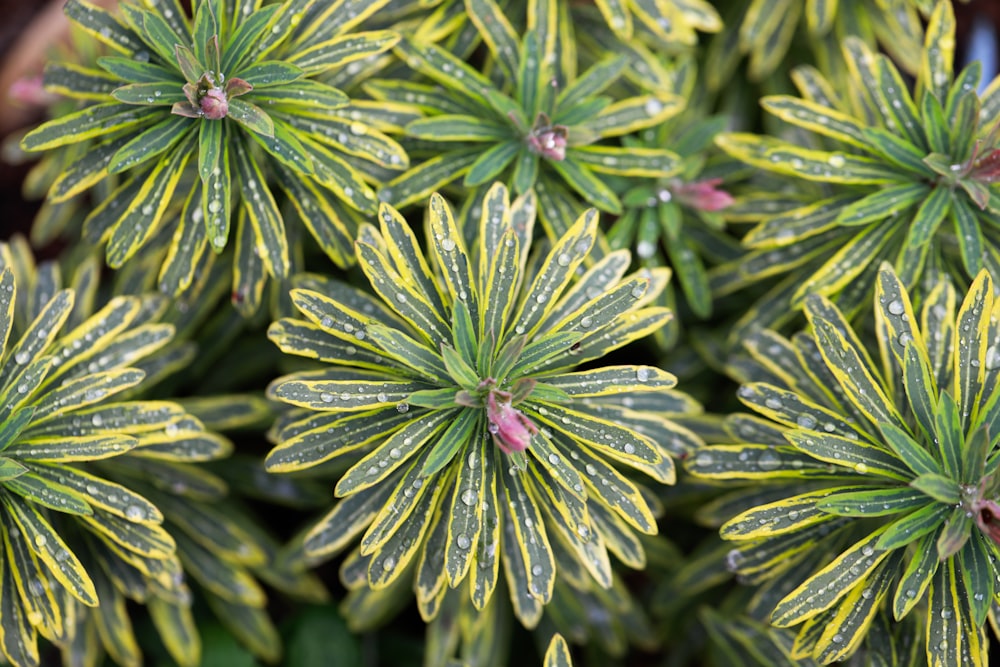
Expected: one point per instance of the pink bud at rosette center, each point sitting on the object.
(214, 104)
(511, 430)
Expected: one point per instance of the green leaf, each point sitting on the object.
(917, 576)
(940, 488)
(46, 543)
(782, 516)
(527, 546)
(149, 143)
(609, 487)
(851, 370)
(268, 73)
(312, 95)
(955, 533)
(342, 395)
(914, 525)
(948, 435)
(93, 121)
(861, 457)
(449, 127)
(348, 518)
(952, 638)
(885, 203)
(492, 162)
(10, 469)
(262, 213)
(251, 117)
(393, 452)
(916, 458)
(936, 58)
(246, 36)
(72, 448)
(140, 217)
(104, 26)
(463, 431)
(100, 493)
(557, 654)
(899, 152)
(465, 518)
(77, 82)
(344, 49)
(429, 176)
(633, 114)
(633, 161)
(611, 380)
(928, 217)
(817, 118)
(873, 502)
(823, 589)
(497, 33)
(969, 233)
(446, 69)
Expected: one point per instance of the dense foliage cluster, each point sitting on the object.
(640, 331)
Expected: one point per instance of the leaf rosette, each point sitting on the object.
(876, 473)
(207, 118)
(885, 174)
(535, 125)
(136, 467)
(451, 396)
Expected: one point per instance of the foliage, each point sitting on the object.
(179, 88)
(905, 178)
(537, 125)
(471, 439)
(887, 469)
(478, 384)
(156, 476)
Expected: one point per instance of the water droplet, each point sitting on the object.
(402, 407)
(447, 244)
(468, 497)
(463, 542)
(947, 613)
(642, 374)
(768, 460)
(537, 570)
(653, 106)
(895, 307)
(388, 563)
(806, 421)
(40, 540)
(22, 357)
(134, 513)
(836, 161)
(326, 397)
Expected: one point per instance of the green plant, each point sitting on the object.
(535, 126)
(470, 440)
(900, 178)
(885, 467)
(236, 88)
(667, 22)
(208, 539)
(459, 409)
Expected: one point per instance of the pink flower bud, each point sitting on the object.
(30, 91)
(987, 168)
(511, 430)
(988, 518)
(704, 195)
(549, 144)
(214, 104)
